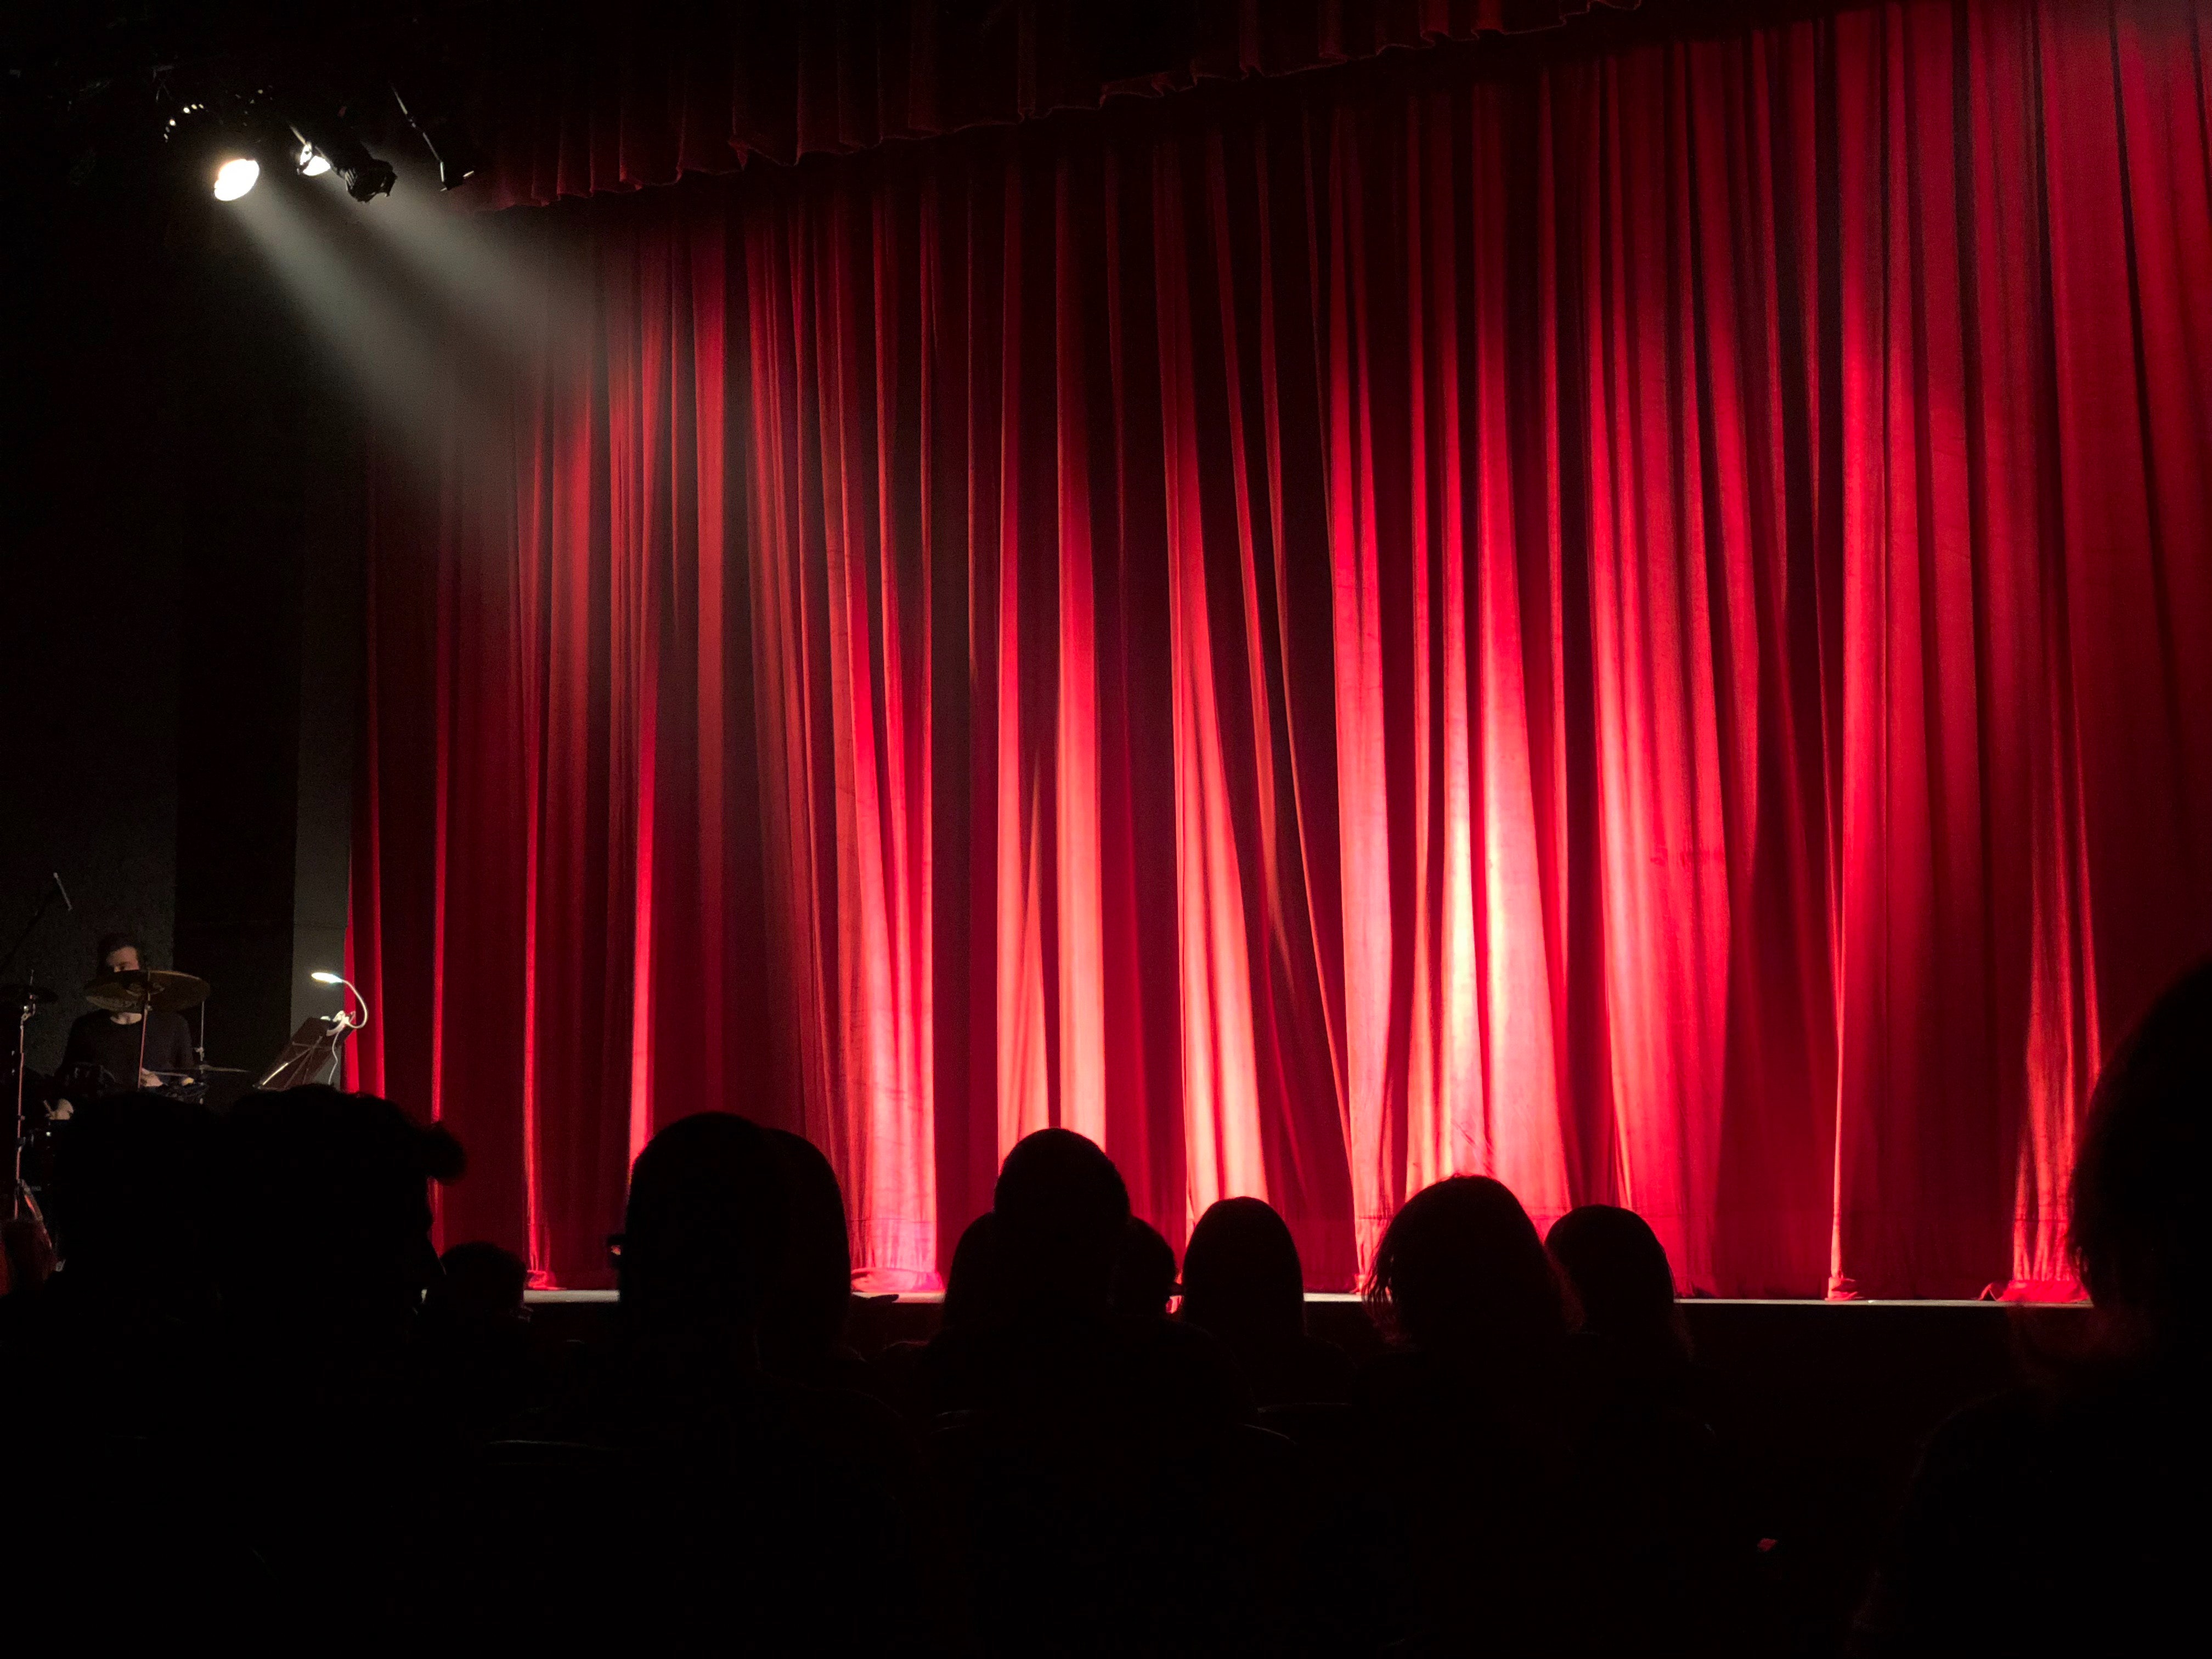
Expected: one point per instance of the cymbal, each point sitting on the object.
(14, 996)
(159, 988)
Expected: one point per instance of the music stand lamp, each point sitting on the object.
(319, 1043)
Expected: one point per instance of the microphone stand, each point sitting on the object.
(45, 903)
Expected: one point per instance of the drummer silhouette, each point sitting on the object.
(107, 1054)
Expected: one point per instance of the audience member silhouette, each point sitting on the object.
(1144, 1272)
(802, 1333)
(1082, 1508)
(918, 1376)
(1058, 1216)
(1462, 1277)
(474, 1339)
(976, 1297)
(1063, 1212)
(478, 1284)
(326, 1215)
(326, 1254)
(1683, 1571)
(1481, 1417)
(1243, 1284)
(1060, 1229)
(763, 1510)
(124, 1500)
(703, 1238)
(1622, 1283)
(130, 1204)
(2069, 1518)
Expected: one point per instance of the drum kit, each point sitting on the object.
(41, 1101)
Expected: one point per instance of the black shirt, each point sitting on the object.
(97, 1040)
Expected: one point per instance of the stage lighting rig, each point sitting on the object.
(238, 119)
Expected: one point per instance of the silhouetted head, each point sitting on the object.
(1062, 1207)
(975, 1294)
(1241, 1277)
(703, 1238)
(1460, 1271)
(805, 1318)
(478, 1283)
(1618, 1270)
(327, 1208)
(1144, 1271)
(129, 1198)
(2140, 1230)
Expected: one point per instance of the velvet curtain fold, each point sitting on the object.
(1637, 629)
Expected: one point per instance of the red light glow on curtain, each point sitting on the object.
(1639, 628)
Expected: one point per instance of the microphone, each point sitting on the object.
(63, 890)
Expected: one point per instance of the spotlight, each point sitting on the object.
(370, 179)
(235, 177)
(313, 164)
(217, 138)
(334, 144)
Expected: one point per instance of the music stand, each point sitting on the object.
(312, 1051)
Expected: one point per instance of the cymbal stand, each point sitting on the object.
(145, 1018)
(19, 1194)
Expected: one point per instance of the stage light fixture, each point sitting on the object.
(364, 175)
(321, 978)
(372, 178)
(313, 164)
(218, 141)
(235, 177)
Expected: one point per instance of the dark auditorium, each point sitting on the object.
(1063, 829)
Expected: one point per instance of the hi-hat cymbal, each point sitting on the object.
(15, 996)
(140, 989)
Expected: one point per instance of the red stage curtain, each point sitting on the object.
(599, 98)
(1641, 629)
